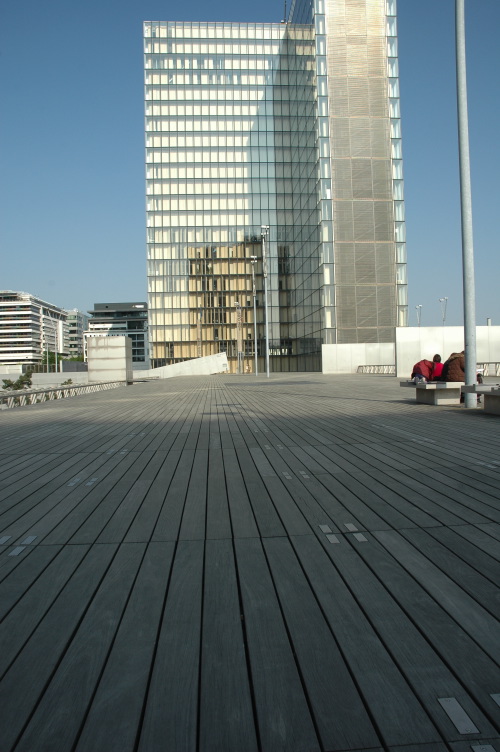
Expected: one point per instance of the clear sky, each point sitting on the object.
(72, 206)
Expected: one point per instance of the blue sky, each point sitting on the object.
(72, 207)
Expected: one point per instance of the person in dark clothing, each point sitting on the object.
(454, 368)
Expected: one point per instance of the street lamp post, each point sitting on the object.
(253, 261)
(264, 235)
(466, 206)
(444, 303)
(418, 309)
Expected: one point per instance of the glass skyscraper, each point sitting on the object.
(294, 127)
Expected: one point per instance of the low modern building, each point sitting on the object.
(30, 328)
(77, 323)
(117, 319)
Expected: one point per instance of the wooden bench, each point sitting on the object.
(436, 392)
(491, 394)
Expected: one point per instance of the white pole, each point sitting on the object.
(264, 233)
(253, 262)
(444, 302)
(466, 208)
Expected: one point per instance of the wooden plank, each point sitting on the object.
(396, 710)
(459, 507)
(83, 500)
(9, 563)
(242, 516)
(479, 624)
(169, 519)
(480, 538)
(46, 509)
(283, 715)
(145, 520)
(426, 504)
(24, 683)
(195, 508)
(218, 519)
(15, 584)
(171, 710)
(267, 519)
(36, 598)
(121, 520)
(58, 471)
(433, 641)
(58, 717)
(475, 567)
(114, 717)
(338, 710)
(226, 713)
(292, 501)
(399, 512)
(92, 526)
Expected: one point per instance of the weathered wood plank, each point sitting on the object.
(23, 685)
(171, 711)
(284, 719)
(338, 710)
(473, 619)
(396, 710)
(59, 715)
(226, 713)
(114, 716)
(218, 521)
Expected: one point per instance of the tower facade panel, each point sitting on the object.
(275, 138)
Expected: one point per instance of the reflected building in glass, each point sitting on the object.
(293, 127)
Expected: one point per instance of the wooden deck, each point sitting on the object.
(236, 564)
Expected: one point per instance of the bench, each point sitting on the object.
(436, 392)
(491, 394)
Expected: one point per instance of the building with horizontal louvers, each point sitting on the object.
(30, 329)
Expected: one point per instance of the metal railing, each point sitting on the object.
(390, 370)
(35, 396)
(489, 369)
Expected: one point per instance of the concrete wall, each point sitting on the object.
(10, 372)
(56, 379)
(413, 343)
(347, 358)
(109, 359)
(195, 367)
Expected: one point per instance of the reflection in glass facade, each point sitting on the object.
(294, 126)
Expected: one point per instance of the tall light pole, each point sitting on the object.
(239, 343)
(253, 261)
(466, 207)
(418, 309)
(444, 303)
(264, 234)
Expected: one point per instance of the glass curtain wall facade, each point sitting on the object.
(244, 132)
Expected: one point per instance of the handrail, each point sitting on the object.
(33, 396)
(388, 369)
(489, 369)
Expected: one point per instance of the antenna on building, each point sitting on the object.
(284, 14)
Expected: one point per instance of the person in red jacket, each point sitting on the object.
(437, 368)
(422, 370)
